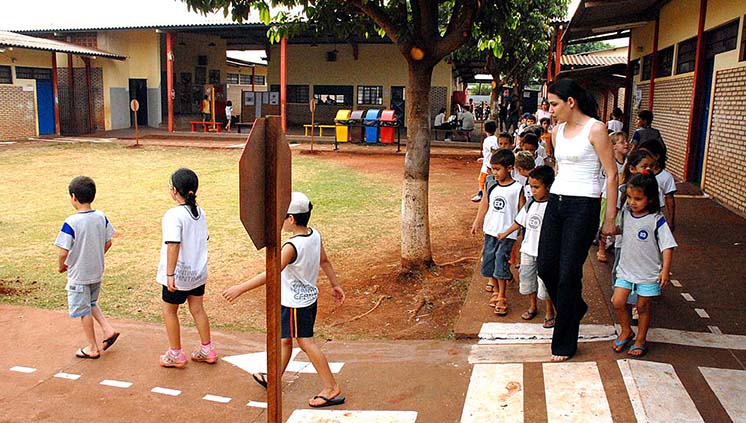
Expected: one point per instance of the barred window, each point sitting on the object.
(370, 94)
(665, 62)
(261, 80)
(295, 93)
(721, 39)
(339, 95)
(23, 72)
(647, 66)
(231, 78)
(743, 41)
(245, 79)
(5, 75)
(686, 56)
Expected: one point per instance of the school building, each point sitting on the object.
(686, 63)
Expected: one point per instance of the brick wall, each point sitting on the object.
(726, 153)
(671, 116)
(17, 114)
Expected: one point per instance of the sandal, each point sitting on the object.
(501, 307)
(602, 258)
(528, 315)
(549, 323)
(620, 345)
(489, 287)
(493, 300)
(638, 352)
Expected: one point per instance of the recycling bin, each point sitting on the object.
(342, 122)
(388, 123)
(357, 130)
(371, 125)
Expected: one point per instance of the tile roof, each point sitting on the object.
(11, 39)
(585, 59)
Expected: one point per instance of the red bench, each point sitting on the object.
(205, 124)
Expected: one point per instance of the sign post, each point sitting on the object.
(312, 106)
(264, 192)
(135, 106)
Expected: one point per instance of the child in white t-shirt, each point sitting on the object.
(182, 269)
(620, 148)
(489, 146)
(530, 218)
(302, 257)
(666, 182)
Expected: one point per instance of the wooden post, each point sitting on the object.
(274, 133)
(56, 93)
(170, 79)
(89, 92)
(71, 92)
(283, 83)
(628, 89)
(694, 108)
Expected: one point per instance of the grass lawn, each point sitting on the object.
(354, 212)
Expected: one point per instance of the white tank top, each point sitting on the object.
(300, 276)
(578, 166)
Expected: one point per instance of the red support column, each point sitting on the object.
(550, 78)
(283, 83)
(558, 52)
(628, 88)
(89, 92)
(170, 79)
(605, 117)
(694, 108)
(654, 65)
(56, 93)
(71, 93)
(253, 78)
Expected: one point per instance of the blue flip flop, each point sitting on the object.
(643, 350)
(619, 346)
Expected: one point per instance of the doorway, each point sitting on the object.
(703, 119)
(139, 92)
(45, 105)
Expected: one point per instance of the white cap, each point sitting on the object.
(299, 203)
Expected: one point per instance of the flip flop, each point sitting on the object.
(489, 287)
(528, 315)
(642, 351)
(82, 354)
(108, 342)
(501, 308)
(620, 345)
(548, 323)
(260, 379)
(328, 402)
(493, 300)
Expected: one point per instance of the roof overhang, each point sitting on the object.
(596, 18)
(14, 40)
(601, 77)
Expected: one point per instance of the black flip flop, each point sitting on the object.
(82, 354)
(261, 379)
(108, 342)
(328, 402)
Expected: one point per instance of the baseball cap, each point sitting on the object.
(299, 203)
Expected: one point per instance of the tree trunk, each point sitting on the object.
(416, 252)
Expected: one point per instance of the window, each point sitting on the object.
(231, 78)
(665, 62)
(743, 41)
(5, 75)
(245, 79)
(647, 65)
(234, 78)
(260, 80)
(721, 39)
(370, 94)
(686, 56)
(23, 72)
(635, 67)
(295, 93)
(339, 95)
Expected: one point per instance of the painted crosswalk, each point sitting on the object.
(730, 388)
(495, 394)
(574, 393)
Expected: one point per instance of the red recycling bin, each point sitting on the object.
(387, 123)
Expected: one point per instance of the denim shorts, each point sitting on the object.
(495, 257)
(531, 283)
(81, 298)
(642, 289)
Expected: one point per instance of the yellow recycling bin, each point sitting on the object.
(342, 121)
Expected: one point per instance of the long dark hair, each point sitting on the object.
(566, 88)
(186, 183)
(647, 183)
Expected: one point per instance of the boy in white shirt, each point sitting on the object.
(301, 258)
(489, 146)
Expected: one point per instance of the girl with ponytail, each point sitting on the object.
(183, 269)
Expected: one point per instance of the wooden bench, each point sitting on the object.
(205, 124)
(307, 127)
(240, 125)
(459, 133)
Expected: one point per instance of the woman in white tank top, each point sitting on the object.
(581, 147)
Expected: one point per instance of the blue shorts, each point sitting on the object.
(642, 289)
(298, 322)
(495, 257)
(81, 298)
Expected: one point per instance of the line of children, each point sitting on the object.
(489, 146)
(620, 147)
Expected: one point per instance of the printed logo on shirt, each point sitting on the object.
(303, 292)
(534, 222)
(499, 203)
(643, 235)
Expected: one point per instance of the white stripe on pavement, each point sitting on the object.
(495, 394)
(257, 404)
(687, 296)
(696, 339)
(352, 416)
(21, 369)
(676, 283)
(656, 393)
(714, 329)
(730, 388)
(492, 353)
(518, 333)
(216, 398)
(115, 383)
(575, 393)
(702, 313)
(166, 391)
(68, 376)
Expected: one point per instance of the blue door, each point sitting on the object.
(703, 117)
(45, 104)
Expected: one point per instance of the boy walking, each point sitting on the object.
(83, 240)
(489, 146)
(497, 211)
(302, 257)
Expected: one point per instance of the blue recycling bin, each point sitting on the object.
(371, 125)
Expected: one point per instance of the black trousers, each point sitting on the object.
(569, 226)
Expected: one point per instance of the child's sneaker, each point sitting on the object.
(209, 357)
(170, 360)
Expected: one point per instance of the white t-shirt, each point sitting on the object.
(531, 220)
(300, 276)
(439, 119)
(179, 226)
(489, 144)
(602, 177)
(666, 185)
(614, 125)
(84, 236)
(643, 240)
(503, 207)
(228, 112)
(541, 114)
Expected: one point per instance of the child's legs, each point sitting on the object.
(90, 334)
(318, 359)
(173, 330)
(619, 301)
(196, 308)
(98, 315)
(482, 179)
(80, 304)
(501, 266)
(529, 279)
(645, 292)
(544, 295)
(286, 351)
